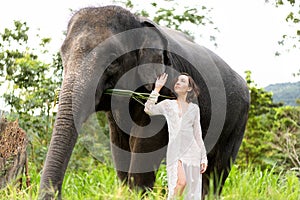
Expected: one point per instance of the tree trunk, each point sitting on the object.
(13, 143)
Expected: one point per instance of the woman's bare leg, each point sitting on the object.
(181, 180)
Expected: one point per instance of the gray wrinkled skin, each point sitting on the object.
(109, 47)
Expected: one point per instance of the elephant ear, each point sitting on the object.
(206, 68)
(172, 48)
(151, 54)
(176, 42)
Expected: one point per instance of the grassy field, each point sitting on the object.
(102, 183)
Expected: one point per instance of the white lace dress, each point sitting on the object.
(185, 143)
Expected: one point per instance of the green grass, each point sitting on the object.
(254, 183)
(102, 183)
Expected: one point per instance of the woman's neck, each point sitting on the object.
(182, 98)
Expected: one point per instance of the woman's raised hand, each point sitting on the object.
(160, 81)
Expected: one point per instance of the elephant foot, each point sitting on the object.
(50, 195)
(141, 181)
(123, 176)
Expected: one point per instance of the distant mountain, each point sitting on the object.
(286, 93)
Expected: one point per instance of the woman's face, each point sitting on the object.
(182, 85)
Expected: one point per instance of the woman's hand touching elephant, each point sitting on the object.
(160, 82)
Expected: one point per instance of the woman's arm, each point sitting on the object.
(198, 136)
(151, 108)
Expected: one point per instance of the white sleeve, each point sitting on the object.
(198, 137)
(151, 108)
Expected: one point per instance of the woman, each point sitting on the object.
(186, 154)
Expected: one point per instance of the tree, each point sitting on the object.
(186, 16)
(254, 146)
(292, 18)
(272, 133)
(31, 84)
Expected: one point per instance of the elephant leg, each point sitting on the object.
(120, 148)
(224, 154)
(147, 154)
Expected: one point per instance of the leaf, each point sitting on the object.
(154, 4)
(290, 16)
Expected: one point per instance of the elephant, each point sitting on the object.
(109, 47)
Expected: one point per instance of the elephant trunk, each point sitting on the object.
(62, 142)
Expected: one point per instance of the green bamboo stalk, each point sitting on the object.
(138, 96)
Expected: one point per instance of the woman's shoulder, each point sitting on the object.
(194, 106)
(167, 102)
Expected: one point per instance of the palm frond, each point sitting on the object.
(138, 96)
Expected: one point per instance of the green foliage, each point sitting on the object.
(254, 146)
(286, 143)
(272, 133)
(261, 101)
(293, 19)
(168, 17)
(177, 16)
(31, 86)
(9, 38)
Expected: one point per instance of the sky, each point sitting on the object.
(249, 31)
